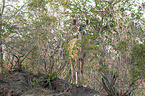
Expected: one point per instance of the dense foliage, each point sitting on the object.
(35, 35)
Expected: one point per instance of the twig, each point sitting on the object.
(28, 54)
(17, 11)
(69, 87)
(130, 86)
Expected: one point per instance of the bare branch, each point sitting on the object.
(17, 11)
(2, 9)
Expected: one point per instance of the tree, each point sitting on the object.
(115, 38)
(1, 32)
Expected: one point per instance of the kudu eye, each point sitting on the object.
(83, 26)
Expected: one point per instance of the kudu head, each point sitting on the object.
(81, 26)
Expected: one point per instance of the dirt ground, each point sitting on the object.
(28, 84)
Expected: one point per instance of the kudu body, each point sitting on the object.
(77, 52)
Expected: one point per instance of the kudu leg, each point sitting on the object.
(72, 71)
(76, 70)
(81, 69)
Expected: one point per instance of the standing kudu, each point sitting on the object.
(77, 51)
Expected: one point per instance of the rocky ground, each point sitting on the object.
(27, 84)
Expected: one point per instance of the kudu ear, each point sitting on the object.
(74, 21)
(87, 21)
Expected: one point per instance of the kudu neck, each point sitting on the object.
(81, 35)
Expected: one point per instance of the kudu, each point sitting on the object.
(77, 51)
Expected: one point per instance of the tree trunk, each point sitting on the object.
(1, 51)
